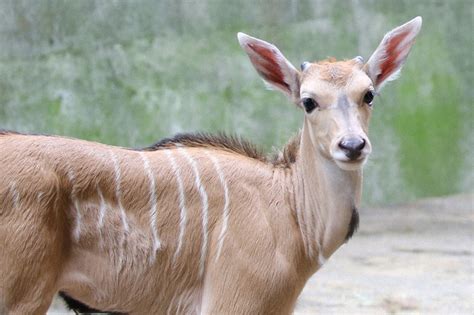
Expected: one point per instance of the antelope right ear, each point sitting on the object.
(388, 59)
(271, 65)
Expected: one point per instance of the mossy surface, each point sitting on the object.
(130, 73)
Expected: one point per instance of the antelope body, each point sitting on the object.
(195, 223)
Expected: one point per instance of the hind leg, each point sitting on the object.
(30, 262)
(33, 238)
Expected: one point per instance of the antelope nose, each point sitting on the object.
(352, 146)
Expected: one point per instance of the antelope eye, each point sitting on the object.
(309, 104)
(369, 97)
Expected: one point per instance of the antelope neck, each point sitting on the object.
(326, 197)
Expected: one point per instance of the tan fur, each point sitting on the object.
(331, 70)
(194, 224)
(256, 259)
(91, 269)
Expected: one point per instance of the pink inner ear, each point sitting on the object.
(265, 61)
(393, 52)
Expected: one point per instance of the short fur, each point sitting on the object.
(336, 72)
(195, 224)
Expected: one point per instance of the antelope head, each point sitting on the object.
(337, 96)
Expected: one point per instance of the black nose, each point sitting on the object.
(352, 146)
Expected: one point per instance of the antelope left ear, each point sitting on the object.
(386, 62)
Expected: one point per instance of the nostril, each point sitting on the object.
(361, 145)
(352, 146)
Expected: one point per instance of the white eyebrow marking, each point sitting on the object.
(153, 202)
(225, 210)
(182, 202)
(203, 194)
(118, 191)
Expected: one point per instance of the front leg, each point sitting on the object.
(261, 283)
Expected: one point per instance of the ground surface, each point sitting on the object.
(416, 259)
(408, 259)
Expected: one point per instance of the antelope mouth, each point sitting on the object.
(351, 165)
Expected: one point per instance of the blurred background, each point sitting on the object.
(131, 72)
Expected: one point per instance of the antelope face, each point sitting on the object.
(337, 99)
(336, 96)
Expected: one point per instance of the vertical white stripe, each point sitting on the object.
(225, 210)
(182, 202)
(153, 202)
(118, 195)
(78, 217)
(118, 191)
(309, 221)
(303, 226)
(203, 194)
(15, 195)
(102, 208)
(321, 258)
(77, 227)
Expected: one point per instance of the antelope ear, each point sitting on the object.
(386, 62)
(272, 66)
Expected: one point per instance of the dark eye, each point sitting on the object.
(369, 97)
(309, 104)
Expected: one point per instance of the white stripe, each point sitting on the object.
(302, 226)
(70, 174)
(118, 191)
(182, 202)
(15, 195)
(123, 216)
(102, 208)
(309, 221)
(203, 194)
(153, 202)
(225, 210)
(321, 258)
(77, 227)
(78, 218)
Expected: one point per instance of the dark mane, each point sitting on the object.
(204, 140)
(232, 144)
(288, 155)
(353, 224)
(4, 132)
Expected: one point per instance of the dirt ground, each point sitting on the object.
(408, 259)
(411, 259)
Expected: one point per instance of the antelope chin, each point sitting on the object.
(347, 164)
(350, 165)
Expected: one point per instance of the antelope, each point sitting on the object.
(195, 223)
